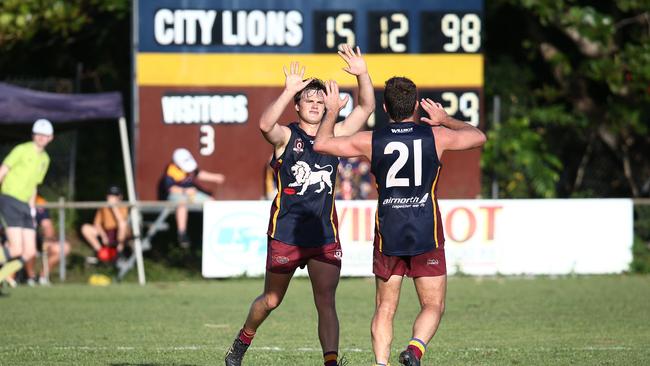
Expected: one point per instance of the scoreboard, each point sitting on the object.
(206, 69)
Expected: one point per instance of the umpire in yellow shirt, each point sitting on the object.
(20, 173)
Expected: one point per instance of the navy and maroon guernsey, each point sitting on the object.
(303, 211)
(406, 168)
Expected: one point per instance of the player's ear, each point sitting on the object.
(297, 107)
(417, 105)
(384, 106)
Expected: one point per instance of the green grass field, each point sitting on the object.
(602, 320)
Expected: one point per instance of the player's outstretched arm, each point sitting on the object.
(356, 65)
(274, 133)
(450, 133)
(211, 177)
(358, 144)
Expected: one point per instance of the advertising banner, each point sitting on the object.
(483, 237)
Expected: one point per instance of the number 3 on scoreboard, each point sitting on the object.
(207, 140)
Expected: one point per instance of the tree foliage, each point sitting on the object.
(576, 74)
(22, 20)
(52, 38)
(67, 40)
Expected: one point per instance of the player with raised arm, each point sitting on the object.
(405, 160)
(303, 224)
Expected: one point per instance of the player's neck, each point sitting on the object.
(410, 118)
(309, 128)
(38, 149)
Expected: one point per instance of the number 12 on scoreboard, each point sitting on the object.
(388, 32)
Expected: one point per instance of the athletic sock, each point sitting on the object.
(245, 336)
(10, 267)
(330, 358)
(417, 347)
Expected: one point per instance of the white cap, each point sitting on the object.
(184, 159)
(43, 127)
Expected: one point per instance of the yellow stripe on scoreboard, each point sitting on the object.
(237, 69)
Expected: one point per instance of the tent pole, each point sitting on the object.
(135, 211)
(72, 169)
(61, 242)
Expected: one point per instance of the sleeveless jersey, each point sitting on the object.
(303, 211)
(406, 168)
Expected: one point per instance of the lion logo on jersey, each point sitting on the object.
(305, 177)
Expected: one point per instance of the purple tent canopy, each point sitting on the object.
(20, 106)
(23, 106)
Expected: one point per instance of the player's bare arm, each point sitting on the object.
(4, 169)
(47, 228)
(100, 229)
(278, 135)
(450, 133)
(359, 144)
(32, 205)
(211, 177)
(356, 65)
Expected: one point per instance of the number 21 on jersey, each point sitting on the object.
(403, 157)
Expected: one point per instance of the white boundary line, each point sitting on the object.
(307, 349)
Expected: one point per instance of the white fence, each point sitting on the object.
(484, 237)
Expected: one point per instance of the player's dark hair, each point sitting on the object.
(313, 86)
(400, 96)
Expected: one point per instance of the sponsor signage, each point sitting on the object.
(483, 237)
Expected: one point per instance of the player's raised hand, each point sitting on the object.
(294, 77)
(436, 112)
(356, 63)
(332, 99)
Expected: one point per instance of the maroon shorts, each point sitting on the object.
(428, 264)
(112, 236)
(285, 258)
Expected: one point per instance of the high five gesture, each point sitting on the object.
(356, 64)
(294, 77)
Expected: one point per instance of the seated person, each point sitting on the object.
(110, 226)
(179, 184)
(47, 243)
(355, 182)
(270, 187)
